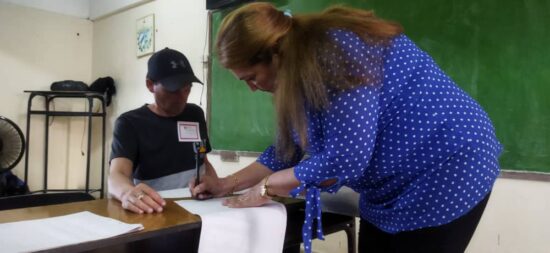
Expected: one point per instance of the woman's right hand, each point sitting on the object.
(210, 186)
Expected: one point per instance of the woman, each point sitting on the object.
(372, 112)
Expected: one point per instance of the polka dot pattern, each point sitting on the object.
(419, 150)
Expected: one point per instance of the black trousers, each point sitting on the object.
(448, 238)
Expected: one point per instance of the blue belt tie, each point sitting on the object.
(313, 209)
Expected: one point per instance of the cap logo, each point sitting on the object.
(175, 64)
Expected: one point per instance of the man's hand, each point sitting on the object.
(142, 199)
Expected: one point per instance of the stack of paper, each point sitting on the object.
(42, 234)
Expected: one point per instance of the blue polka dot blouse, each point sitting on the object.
(419, 150)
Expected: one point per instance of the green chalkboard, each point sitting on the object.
(238, 119)
(497, 50)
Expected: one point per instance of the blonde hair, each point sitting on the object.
(253, 33)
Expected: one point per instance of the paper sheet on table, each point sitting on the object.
(42, 234)
(181, 193)
(175, 193)
(239, 230)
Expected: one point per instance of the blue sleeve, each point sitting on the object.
(269, 159)
(349, 129)
(350, 123)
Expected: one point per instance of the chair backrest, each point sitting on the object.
(33, 200)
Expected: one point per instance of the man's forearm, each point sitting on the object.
(119, 184)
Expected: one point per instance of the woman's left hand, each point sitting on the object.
(251, 198)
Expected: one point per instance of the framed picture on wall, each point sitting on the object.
(145, 35)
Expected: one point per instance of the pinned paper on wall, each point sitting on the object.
(145, 35)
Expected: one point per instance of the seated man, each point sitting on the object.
(153, 146)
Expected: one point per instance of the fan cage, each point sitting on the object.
(12, 144)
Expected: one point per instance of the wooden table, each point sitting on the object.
(173, 230)
(173, 219)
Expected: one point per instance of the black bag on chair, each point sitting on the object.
(104, 85)
(11, 185)
(69, 85)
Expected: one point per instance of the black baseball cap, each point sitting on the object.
(171, 69)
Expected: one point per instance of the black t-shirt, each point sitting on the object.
(151, 141)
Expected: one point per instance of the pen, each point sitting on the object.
(197, 168)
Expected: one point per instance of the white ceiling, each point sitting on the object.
(87, 9)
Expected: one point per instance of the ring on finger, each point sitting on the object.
(140, 196)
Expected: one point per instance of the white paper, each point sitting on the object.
(202, 207)
(181, 193)
(175, 193)
(42, 234)
(239, 230)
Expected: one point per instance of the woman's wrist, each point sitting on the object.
(230, 184)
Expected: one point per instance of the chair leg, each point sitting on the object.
(292, 249)
(351, 234)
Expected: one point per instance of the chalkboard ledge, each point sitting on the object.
(233, 156)
(525, 175)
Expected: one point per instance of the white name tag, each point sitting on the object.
(188, 131)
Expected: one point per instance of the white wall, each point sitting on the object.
(36, 49)
(517, 219)
(85, 9)
(76, 8)
(102, 8)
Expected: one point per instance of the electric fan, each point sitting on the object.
(12, 144)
